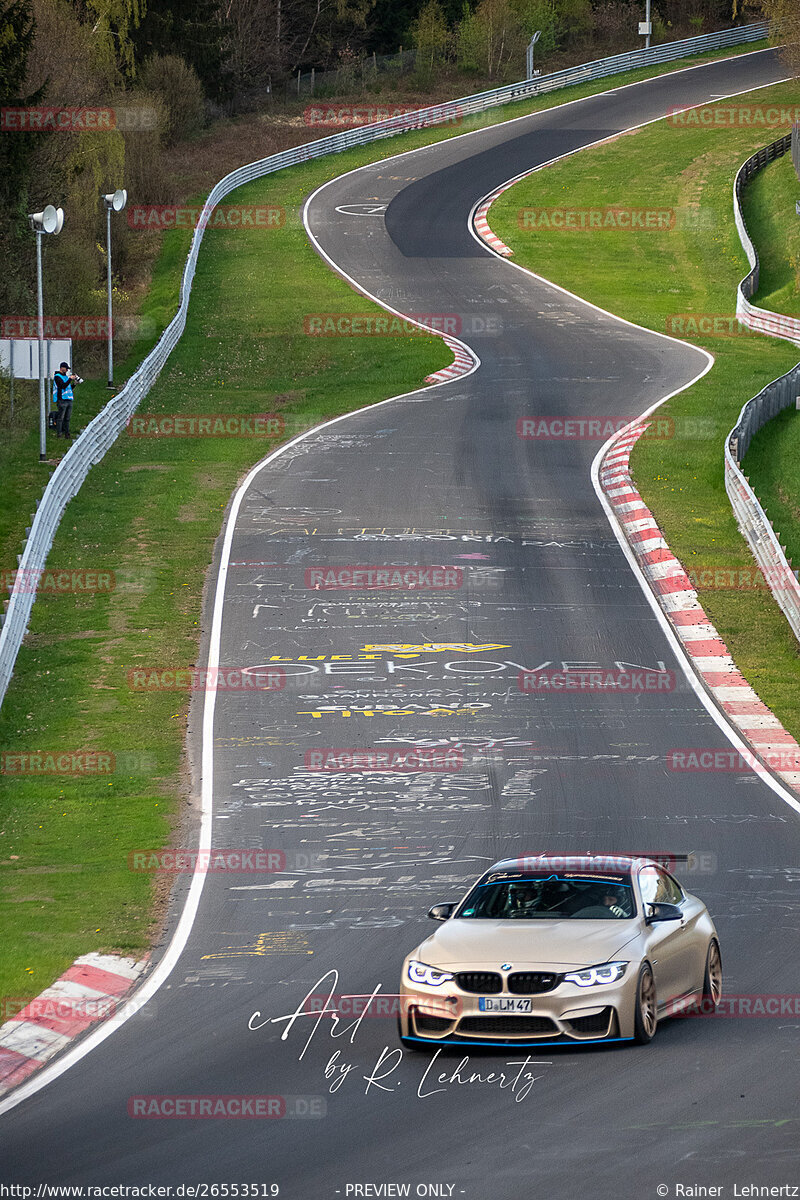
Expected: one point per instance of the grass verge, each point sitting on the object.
(650, 277)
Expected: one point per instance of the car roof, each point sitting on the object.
(591, 863)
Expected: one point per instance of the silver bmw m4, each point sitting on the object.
(551, 950)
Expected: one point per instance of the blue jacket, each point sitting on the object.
(62, 388)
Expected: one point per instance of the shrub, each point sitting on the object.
(145, 174)
(180, 89)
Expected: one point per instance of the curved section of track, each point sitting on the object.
(441, 477)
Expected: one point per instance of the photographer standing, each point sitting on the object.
(63, 394)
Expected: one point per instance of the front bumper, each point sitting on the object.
(567, 1014)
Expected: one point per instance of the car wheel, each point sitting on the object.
(712, 980)
(645, 1018)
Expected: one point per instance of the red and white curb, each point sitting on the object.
(84, 995)
(463, 363)
(708, 654)
(481, 223)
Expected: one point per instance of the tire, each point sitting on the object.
(645, 1019)
(712, 978)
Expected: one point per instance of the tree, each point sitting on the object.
(71, 67)
(542, 15)
(113, 23)
(785, 18)
(491, 39)
(264, 38)
(190, 29)
(17, 29)
(430, 36)
(181, 92)
(17, 26)
(560, 21)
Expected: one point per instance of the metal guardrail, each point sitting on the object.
(781, 393)
(760, 320)
(750, 516)
(101, 433)
(796, 149)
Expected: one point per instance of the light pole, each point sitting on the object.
(114, 202)
(49, 220)
(531, 44)
(646, 26)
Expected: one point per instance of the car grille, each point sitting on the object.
(530, 983)
(596, 1023)
(499, 1026)
(428, 1024)
(484, 983)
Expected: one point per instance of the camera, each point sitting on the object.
(77, 378)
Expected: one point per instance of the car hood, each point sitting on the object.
(469, 943)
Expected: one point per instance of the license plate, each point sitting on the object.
(503, 1004)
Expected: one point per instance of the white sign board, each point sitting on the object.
(645, 27)
(20, 356)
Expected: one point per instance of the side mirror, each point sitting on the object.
(663, 912)
(441, 912)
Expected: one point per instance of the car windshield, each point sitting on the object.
(549, 896)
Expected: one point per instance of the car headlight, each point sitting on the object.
(420, 972)
(590, 976)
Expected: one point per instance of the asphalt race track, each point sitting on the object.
(440, 477)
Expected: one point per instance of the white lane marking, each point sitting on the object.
(361, 210)
(264, 887)
(180, 937)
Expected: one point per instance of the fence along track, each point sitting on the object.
(753, 522)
